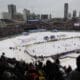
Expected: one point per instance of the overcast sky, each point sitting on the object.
(55, 7)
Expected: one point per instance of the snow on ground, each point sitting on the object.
(35, 44)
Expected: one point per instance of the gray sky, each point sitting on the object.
(55, 7)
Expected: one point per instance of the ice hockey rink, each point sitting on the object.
(46, 43)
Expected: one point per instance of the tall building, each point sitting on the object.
(26, 14)
(69, 16)
(12, 10)
(74, 14)
(66, 11)
(79, 15)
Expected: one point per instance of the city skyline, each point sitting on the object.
(54, 7)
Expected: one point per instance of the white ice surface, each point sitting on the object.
(28, 42)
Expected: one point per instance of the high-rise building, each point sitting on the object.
(79, 15)
(74, 14)
(12, 10)
(26, 15)
(66, 11)
(69, 16)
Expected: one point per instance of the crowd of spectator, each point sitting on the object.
(11, 69)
